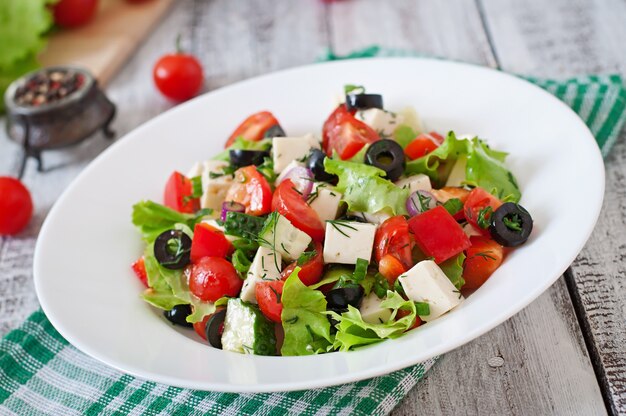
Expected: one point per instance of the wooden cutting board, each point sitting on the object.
(105, 43)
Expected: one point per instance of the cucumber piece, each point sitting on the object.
(246, 330)
(243, 225)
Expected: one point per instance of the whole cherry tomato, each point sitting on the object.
(74, 13)
(178, 76)
(214, 277)
(16, 206)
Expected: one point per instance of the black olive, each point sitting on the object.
(172, 249)
(178, 315)
(386, 155)
(510, 225)
(240, 158)
(274, 131)
(315, 162)
(363, 101)
(339, 299)
(214, 328)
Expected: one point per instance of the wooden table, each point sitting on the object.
(563, 354)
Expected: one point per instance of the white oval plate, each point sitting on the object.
(87, 243)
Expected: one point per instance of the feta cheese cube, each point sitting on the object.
(383, 122)
(265, 266)
(426, 282)
(288, 149)
(347, 241)
(371, 312)
(376, 218)
(457, 174)
(213, 189)
(419, 182)
(326, 202)
(286, 239)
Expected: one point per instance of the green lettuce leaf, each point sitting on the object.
(307, 329)
(485, 168)
(448, 151)
(243, 144)
(404, 135)
(364, 189)
(453, 268)
(161, 300)
(353, 332)
(152, 219)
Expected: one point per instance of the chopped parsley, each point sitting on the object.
(483, 217)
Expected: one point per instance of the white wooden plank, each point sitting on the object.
(570, 38)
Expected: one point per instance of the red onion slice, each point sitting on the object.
(420, 201)
(301, 177)
(230, 206)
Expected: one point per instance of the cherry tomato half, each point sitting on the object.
(213, 277)
(390, 267)
(178, 194)
(178, 76)
(16, 206)
(139, 267)
(290, 204)
(392, 237)
(482, 259)
(251, 189)
(74, 13)
(478, 208)
(268, 296)
(254, 127)
(345, 134)
(208, 242)
(311, 271)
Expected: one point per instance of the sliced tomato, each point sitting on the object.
(482, 259)
(139, 267)
(178, 194)
(345, 134)
(254, 127)
(200, 327)
(438, 234)
(402, 313)
(420, 146)
(268, 296)
(392, 237)
(214, 277)
(478, 208)
(311, 271)
(290, 204)
(390, 267)
(208, 242)
(251, 189)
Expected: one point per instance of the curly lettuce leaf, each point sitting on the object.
(404, 135)
(152, 219)
(364, 188)
(453, 268)
(243, 144)
(307, 329)
(485, 168)
(353, 332)
(430, 165)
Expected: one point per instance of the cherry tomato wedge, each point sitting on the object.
(178, 194)
(478, 208)
(482, 259)
(178, 76)
(254, 127)
(200, 327)
(311, 271)
(139, 267)
(392, 237)
(268, 297)
(16, 206)
(213, 277)
(290, 204)
(421, 146)
(390, 267)
(345, 134)
(208, 242)
(438, 234)
(251, 189)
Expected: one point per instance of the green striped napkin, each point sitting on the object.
(41, 373)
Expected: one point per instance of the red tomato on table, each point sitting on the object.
(178, 194)
(251, 189)
(74, 13)
(268, 295)
(478, 208)
(16, 206)
(311, 271)
(208, 242)
(254, 127)
(346, 135)
(212, 278)
(392, 237)
(482, 259)
(292, 206)
(438, 234)
(178, 76)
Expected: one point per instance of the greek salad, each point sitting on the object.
(294, 245)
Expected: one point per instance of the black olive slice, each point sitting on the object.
(363, 101)
(510, 225)
(274, 131)
(386, 155)
(215, 328)
(240, 158)
(172, 249)
(315, 162)
(339, 299)
(178, 315)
